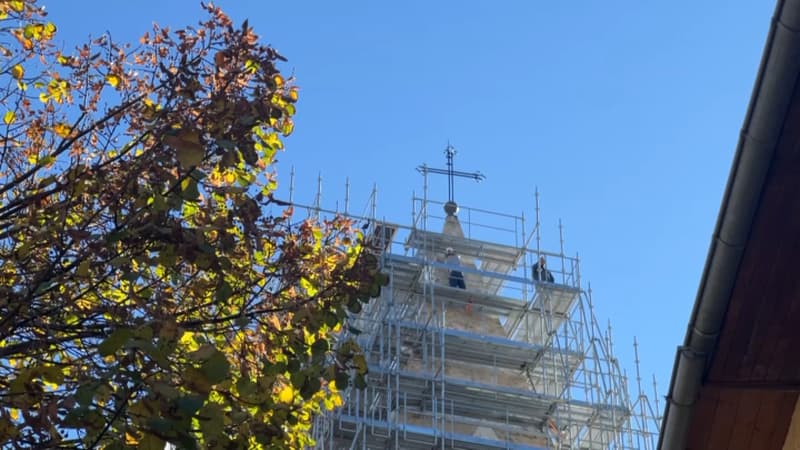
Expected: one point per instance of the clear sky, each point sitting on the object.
(624, 114)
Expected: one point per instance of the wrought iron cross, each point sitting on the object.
(450, 153)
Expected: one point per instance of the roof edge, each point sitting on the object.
(777, 75)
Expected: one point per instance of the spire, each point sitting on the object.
(451, 208)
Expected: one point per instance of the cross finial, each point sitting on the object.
(451, 173)
(450, 153)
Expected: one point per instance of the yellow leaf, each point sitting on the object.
(33, 30)
(273, 140)
(251, 66)
(84, 304)
(286, 395)
(9, 117)
(14, 414)
(17, 5)
(17, 71)
(187, 340)
(308, 286)
(113, 80)
(278, 80)
(61, 129)
(288, 127)
(49, 30)
(130, 439)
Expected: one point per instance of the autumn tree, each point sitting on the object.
(146, 296)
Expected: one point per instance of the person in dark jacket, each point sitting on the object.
(456, 276)
(540, 272)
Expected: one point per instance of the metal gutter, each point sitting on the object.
(772, 94)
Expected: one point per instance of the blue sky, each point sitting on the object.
(624, 114)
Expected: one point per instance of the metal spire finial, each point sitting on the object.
(450, 153)
(451, 173)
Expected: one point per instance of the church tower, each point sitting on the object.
(482, 340)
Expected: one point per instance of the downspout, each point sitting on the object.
(772, 93)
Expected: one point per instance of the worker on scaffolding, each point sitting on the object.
(540, 272)
(456, 276)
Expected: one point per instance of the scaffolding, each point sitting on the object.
(509, 362)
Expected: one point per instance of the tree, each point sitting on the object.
(145, 295)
